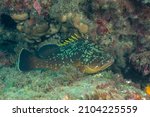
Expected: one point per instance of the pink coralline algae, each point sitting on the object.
(4, 61)
(141, 62)
(37, 6)
(101, 27)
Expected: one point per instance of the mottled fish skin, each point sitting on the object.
(80, 53)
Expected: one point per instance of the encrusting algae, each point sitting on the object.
(147, 89)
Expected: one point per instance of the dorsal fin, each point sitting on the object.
(71, 39)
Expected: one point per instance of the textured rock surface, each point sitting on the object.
(120, 27)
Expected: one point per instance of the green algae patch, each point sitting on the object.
(64, 85)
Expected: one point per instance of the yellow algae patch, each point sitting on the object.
(20, 16)
(147, 89)
(77, 21)
(20, 27)
(83, 28)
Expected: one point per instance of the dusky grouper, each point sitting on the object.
(83, 54)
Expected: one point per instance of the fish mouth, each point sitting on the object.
(92, 69)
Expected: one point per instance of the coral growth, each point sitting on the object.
(141, 62)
